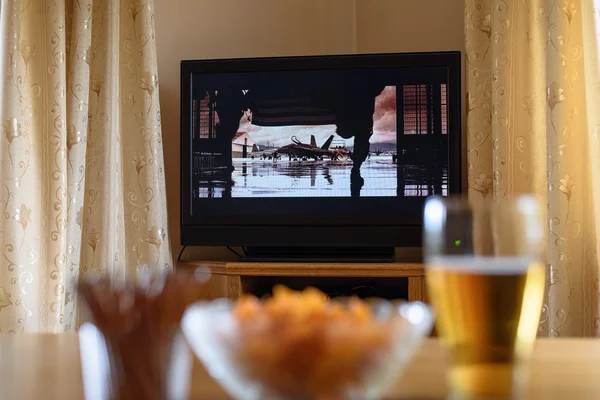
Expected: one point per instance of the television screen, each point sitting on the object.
(328, 134)
(319, 143)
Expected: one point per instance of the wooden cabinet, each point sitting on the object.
(232, 279)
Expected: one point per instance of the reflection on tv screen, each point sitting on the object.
(322, 135)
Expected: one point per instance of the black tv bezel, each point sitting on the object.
(297, 229)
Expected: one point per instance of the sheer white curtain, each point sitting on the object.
(533, 122)
(82, 185)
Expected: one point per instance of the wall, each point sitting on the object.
(195, 29)
(404, 25)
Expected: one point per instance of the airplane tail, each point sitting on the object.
(313, 141)
(327, 143)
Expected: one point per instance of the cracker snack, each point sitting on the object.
(302, 345)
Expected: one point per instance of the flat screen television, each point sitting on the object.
(320, 152)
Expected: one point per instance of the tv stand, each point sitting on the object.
(387, 280)
(320, 254)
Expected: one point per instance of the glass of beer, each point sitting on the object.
(485, 277)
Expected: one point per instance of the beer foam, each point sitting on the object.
(482, 265)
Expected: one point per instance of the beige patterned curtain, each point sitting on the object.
(82, 184)
(533, 121)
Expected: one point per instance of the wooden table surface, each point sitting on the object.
(48, 367)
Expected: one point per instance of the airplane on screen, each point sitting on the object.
(299, 150)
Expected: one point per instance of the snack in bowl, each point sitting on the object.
(299, 344)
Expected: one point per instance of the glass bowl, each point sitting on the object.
(329, 362)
